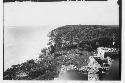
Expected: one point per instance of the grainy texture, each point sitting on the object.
(68, 45)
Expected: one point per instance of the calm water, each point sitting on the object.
(24, 43)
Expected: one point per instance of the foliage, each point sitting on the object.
(73, 44)
(76, 34)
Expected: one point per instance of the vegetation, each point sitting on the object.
(89, 35)
(68, 45)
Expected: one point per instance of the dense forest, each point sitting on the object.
(70, 44)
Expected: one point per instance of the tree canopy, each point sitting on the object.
(69, 45)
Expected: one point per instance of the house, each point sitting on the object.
(103, 52)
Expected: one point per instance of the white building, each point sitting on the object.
(102, 50)
(100, 60)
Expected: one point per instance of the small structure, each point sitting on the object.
(103, 50)
(101, 62)
(98, 64)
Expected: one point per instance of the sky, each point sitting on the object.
(26, 25)
(61, 13)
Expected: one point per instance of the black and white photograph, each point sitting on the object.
(77, 40)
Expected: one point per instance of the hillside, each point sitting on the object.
(68, 45)
(71, 35)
